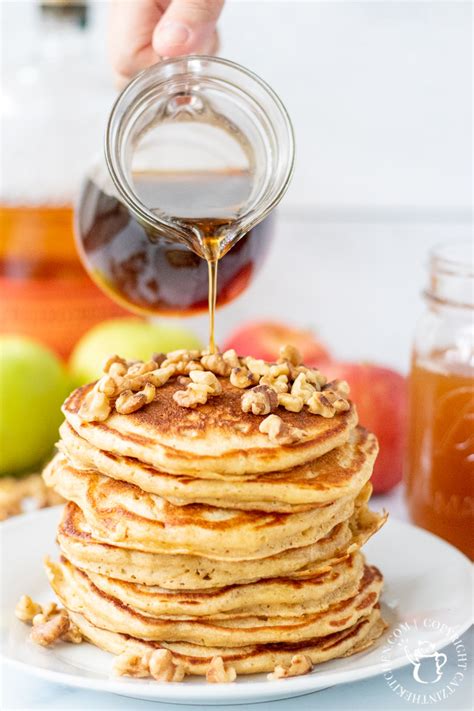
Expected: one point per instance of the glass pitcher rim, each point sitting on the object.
(139, 209)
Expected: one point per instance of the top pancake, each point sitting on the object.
(216, 438)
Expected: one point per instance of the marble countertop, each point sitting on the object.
(21, 691)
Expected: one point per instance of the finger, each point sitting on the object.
(211, 46)
(187, 26)
(131, 26)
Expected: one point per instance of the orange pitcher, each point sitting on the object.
(440, 464)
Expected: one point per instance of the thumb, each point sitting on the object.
(187, 26)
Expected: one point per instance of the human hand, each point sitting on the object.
(141, 32)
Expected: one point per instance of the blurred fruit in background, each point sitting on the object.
(33, 385)
(381, 398)
(53, 94)
(131, 338)
(380, 393)
(263, 339)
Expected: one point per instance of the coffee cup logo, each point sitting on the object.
(428, 678)
(427, 663)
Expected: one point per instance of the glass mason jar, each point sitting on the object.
(440, 463)
(198, 152)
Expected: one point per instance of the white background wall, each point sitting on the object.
(380, 94)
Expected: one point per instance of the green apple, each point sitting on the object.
(33, 385)
(128, 337)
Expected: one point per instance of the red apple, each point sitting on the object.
(381, 398)
(263, 339)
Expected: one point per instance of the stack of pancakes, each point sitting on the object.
(191, 530)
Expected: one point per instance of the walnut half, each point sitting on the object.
(291, 355)
(131, 664)
(163, 668)
(203, 386)
(129, 401)
(50, 631)
(260, 400)
(96, 406)
(26, 609)
(50, 623)
(157, 663)
(219, 673)
(279, 432)
(300, 664)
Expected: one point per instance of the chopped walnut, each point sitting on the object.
(216, 364)
(231, 358)
(279, 432)
(279, 384)
(302, 388)
(149, 392)
(73, 634)
(195, 394)
(208, 379)
(130, 382)
(132, 664)
(47, 612)
(279, 369)
(96, 407)
(242, 378)
(184, 367)
(300, 664)
(49, 622)
(141, 368)
(191, 365)
(292, 403)
(256, 366)
(290, 354)
(181, 355)
(128, 401)
(319, 404)
(218, 673)
(313, 375)
(339, 403)
(120, 365)
(163, 668)
(339, 386)
(26, 609)
(158, 358)
(117, 371)
(50, 631)
(260, 400)
(160, 376)
(107, 385)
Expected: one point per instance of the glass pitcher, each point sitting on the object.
(198, 152)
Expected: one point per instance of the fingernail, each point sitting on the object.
(173, 34)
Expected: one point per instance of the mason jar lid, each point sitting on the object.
(451, 280)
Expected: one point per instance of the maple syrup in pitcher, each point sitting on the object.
(198, 153)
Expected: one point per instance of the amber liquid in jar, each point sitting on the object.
(440, 467)
(153, 275)
(45, 291)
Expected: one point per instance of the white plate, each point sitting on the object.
(426, 579)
